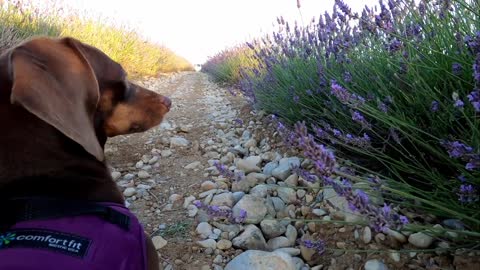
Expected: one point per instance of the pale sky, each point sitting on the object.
(197, 29)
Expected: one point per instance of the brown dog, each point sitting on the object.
(59, 101)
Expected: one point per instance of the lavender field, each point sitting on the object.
(387, 100)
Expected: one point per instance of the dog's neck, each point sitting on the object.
(37, 160)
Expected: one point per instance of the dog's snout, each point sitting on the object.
(167, 102)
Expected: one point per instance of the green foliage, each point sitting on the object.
(138, 56)
(227, 66)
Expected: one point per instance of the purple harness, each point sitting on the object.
(108, 238)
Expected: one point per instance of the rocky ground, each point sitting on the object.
(201, 219)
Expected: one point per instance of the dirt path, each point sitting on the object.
(198, 106)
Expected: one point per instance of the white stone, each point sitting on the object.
(261, 260)
(143, 175)
(254, 206)
(204, 230)
(209, 243)
(129, 192)
(116, 175)
(224, 244)
(420, 240)
(159, 242)
(367, 235)
(375, 265)
(193, 165)
(178, 142)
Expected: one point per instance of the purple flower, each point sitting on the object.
(306, 175)
(458, 103)
(346, 97)
(422, 7)
(383, 107)
(467, 194)
(473, 43)
(242, 216)
(214, 211)
(394, 135)
(473, 163)
(232, 91)
(366, 137)
(198, 204)
(319, 132)
(474, 98)
(318, 246)
(395, 46)
(223, 170)
(323, 159)
(341, 93)
(238, 176)
(238, 122)
(337, 133)
(456, 149)
(434, 106)
(343, 7)
(309, 92)
(476, 64)
(386, 209)
(347, 77)
(381, 218)
(358, 117)
(296, 99)
(457, 69)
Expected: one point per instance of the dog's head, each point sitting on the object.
(79, 91)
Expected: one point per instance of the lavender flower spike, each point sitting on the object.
(318, 246)
(434, 106)
(215, 212)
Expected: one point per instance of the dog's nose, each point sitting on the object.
(167, 102)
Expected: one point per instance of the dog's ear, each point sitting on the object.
(52, 79)
(125, 107)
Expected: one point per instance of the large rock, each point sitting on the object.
(375, 265)
(255, 207)
(224, 199)
(256, 160)
(209, 243)
(269, 167)
(292, 180)
(251, 238)
(272, 228)
(159, 242)
(260, 191)
(271, 213)
(178, 142)
(230, 228)
(420, 240)
(284, 168)
(248, 166)
(261, 260)
(278, 242)
(244, 185)
(204, 230)
(281, 172)
(288, 195)
(291, 234)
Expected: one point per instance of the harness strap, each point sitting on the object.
(41, 208)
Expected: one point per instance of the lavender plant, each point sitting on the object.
(394, 89)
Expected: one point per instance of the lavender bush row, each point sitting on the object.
(395, 90)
